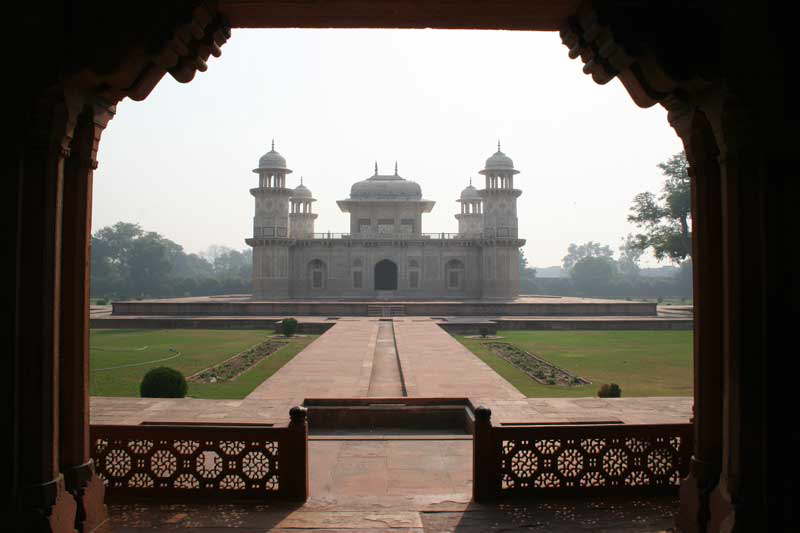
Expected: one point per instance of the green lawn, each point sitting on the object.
(643, 363)
(198, 349)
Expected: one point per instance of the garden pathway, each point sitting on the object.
(434, 364)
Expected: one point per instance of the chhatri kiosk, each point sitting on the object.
(386, 255)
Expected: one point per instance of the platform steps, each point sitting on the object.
(386, 310)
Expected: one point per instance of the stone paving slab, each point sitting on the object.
(338, 364)
(629, 514)
(434, 364)
(390, 470)
(133, 411)
(645, 410)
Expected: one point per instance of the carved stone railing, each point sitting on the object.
(577, 459)
(208, 462)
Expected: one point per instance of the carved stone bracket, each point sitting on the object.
(185, 50)
(613, 43)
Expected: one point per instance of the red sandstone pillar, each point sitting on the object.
(293, 460)
(707, 268)
(42, 504)
(75, 461)
(485, 458)
(740, 500)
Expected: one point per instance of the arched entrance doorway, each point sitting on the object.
(385, 275)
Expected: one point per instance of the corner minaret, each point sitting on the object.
(500, 196)
(270, 239)
(500, 251)
(301, 219)
(470, 219)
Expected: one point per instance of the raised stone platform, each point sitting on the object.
(414, 474)
(243, 305)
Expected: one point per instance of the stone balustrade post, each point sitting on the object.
(294, 456)
(485, 458)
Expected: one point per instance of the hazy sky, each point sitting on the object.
(335, 101)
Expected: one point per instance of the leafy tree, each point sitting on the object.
(590, 249)
(191, 266)
(594, 273)
(629, 255)
(683, 278)
(149, 264)
(525, 272)
(127, 262)
(230, 263)
(665, 220)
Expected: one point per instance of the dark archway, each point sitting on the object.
(385, 276)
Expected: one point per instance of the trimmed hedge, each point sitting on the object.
(288, 326)
(610, 390)
(163, 382)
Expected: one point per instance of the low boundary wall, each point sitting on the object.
(577, 459)
(205, 462)
(340, 308)
(113, 322)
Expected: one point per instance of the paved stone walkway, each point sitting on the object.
(132, 411)
(336, 365)
(391, 470)
(356, 358)
(434, 364)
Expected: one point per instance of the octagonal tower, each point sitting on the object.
(501, 242)
(470, 219)
(301, 217)
(270, 239)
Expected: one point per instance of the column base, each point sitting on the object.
(722, 511)
(89, 492)
(48, 508)
(694, 494)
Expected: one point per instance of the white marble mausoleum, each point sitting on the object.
(386, 255)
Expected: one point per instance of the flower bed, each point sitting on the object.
(534, 366)
(230, 368)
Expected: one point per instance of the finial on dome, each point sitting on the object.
(376, 168)
(301, 180)
(498, 145)
(470, 181)
(395, 168)
(273, 145)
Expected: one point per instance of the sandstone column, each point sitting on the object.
(75, 460)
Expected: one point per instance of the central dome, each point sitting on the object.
(380, 187)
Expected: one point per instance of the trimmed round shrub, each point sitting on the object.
(484, 331)
(609, 390)
(163, 382)
(288, 326)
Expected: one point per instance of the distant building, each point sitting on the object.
(386, 255)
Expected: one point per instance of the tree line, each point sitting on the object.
(128, 262)
(664, 224)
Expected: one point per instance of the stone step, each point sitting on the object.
(386, 310)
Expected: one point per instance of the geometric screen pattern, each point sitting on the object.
(165, 459)
(582, 459)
